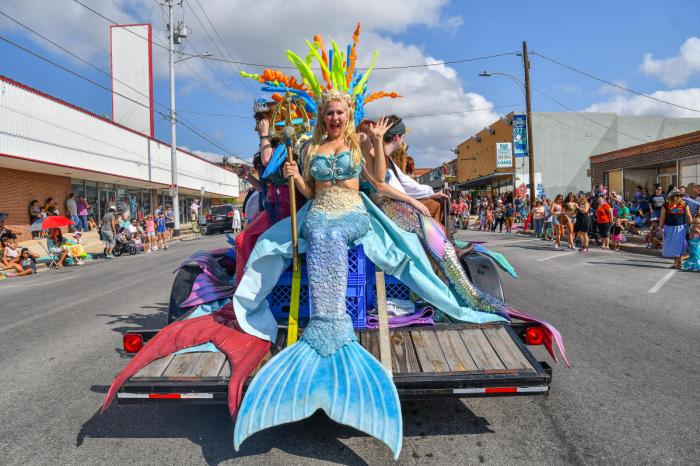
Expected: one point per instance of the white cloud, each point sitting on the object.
(675, 71)
(260, 32)
(638, 105)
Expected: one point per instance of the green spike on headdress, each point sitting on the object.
(363, 81)
(338, 70)
(306, 73)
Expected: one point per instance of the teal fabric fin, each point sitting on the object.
(350, 386)
(499, 258)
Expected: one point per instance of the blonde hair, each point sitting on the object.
(400, 157)
(319, 137)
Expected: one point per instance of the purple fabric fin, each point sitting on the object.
(205, 290)
(423, 316)
(551, 332)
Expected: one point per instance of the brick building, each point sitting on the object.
(50, 148)
(671, 161)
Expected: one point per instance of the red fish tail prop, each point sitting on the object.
(244, 352)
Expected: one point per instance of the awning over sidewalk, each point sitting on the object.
(485, 180)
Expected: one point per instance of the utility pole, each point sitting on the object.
(173, 39)
(528, 108)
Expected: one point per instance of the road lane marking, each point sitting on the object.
(662, 282)
(556, 255)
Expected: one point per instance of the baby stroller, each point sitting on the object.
(123, 244)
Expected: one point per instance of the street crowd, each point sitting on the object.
(668, 220)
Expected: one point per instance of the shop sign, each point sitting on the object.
(519, 135)
(504, 155)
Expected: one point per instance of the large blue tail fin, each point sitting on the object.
(350, 385)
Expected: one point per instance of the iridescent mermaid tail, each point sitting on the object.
(443, 252)
(327, 369)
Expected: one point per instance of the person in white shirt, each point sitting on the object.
(194, 210)
(236, 226)
(395, 148)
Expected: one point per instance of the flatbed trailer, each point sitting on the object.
(448, 360)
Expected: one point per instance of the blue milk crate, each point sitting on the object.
(395, 289)
(356, 297)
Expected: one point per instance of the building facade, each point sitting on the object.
(50, 148)
(671, 161)
(563, 145)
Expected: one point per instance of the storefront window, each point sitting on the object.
(644, 177)
(615, 181)
(690, 172)
(91, 197)
(77, 187)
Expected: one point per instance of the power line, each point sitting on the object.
(457, 112)
(585, 117)
(245, 81)
(641, 94)
(223, 115)
(289, 67)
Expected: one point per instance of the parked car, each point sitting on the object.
(219, 219)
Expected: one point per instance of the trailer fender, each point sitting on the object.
(484, 274)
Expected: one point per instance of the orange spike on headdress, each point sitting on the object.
(380, 95)
(353, 55)
(324, 55)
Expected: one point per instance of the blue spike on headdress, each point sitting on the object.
(347, 56)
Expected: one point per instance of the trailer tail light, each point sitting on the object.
(133, 342)
(534, 336)
(209, 217)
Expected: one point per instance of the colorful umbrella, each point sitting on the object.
(52, 221)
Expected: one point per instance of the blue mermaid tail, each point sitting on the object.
(350, 386)
(327, 369)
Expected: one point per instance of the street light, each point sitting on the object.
(526, 89)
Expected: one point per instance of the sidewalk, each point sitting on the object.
(91, 243)
(634, 244)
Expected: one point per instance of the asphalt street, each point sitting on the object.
(631, 329)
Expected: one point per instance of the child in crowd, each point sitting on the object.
(27, 260)
(150, 232)
(654, 238)
(693, 261)
(616, 234)
(138, 243)
(160, 230)
(482, 218)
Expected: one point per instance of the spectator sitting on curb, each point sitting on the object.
(55, 245)
(27, 261)
(10, 256)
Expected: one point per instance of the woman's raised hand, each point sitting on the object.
(379, 129)
(291, 169)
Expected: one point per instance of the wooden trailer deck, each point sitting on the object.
(445, 360)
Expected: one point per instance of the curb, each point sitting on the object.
(630, 246)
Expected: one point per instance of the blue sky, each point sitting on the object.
(607, 39)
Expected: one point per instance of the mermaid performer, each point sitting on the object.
(693, 261)
(391, 200)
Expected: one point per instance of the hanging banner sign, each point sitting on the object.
(504, 155)
(519, 135)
